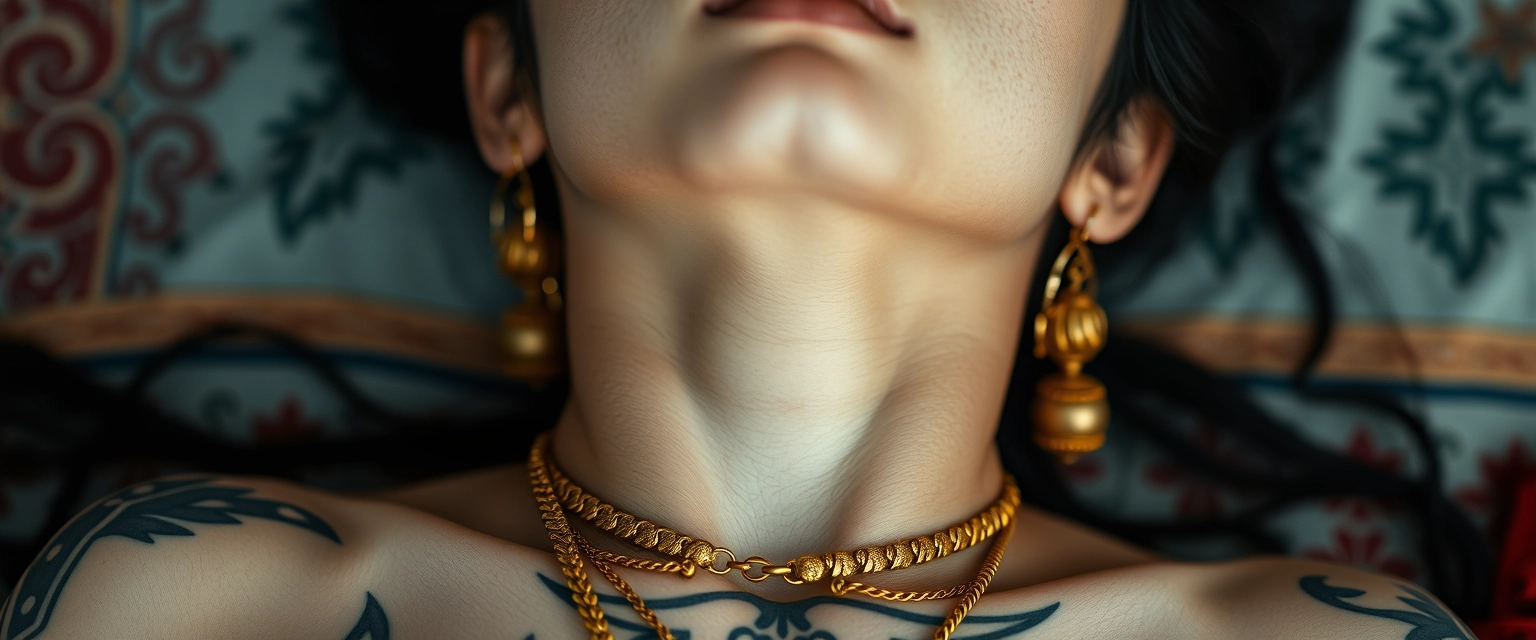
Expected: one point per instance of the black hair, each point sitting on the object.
(1222, 70)
(1225, 70)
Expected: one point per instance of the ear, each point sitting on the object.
(1115, 180)
(502, 104)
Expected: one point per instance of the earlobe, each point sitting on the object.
(501, 104)
(1115, 180)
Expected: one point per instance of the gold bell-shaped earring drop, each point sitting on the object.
(1071, 413)
(533, 332)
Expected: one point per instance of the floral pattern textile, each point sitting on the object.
(1415, 165)
(167, 163)
(171, 163)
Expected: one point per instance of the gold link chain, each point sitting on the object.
(557, 494)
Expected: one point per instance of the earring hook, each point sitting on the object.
(1085, 276)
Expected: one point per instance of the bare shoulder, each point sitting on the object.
(196, 556)
(1308, 599)
(496, 501)
(1262, 597)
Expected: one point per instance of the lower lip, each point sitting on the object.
(840, 13)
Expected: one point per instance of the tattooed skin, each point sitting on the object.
(374, 625)
(169, 508)
(791, 620)
(1429, 620)
(140, 512)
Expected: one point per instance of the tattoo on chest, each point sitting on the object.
(140, 512)
(792, 620)
(1430, 621)
(374, 625)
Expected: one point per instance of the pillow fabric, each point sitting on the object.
(1414, 165)
(167, 164)
(171, 164)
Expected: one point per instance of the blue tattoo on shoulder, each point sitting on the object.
(1429, 620)
(374, 625)
(777, 618)
(140, 512)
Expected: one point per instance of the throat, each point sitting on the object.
(784, 383)
(913, 464)
(794, 504)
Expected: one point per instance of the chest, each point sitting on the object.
(536, 603)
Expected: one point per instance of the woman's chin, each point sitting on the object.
(794, 116)
(814, 161)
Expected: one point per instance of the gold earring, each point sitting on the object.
(532, 333)
(1070, 410)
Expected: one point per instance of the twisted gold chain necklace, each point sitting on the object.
(556, 494)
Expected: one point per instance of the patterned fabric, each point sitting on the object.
(170, 162)
(1416, 165)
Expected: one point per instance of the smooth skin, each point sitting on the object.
(796, 261)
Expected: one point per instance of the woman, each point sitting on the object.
(798, 234)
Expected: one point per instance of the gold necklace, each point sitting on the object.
(555, 494)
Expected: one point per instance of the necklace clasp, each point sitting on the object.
(765, 569)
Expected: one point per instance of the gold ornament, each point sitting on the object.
(1071, 413)
(556, 494)
(533, 332)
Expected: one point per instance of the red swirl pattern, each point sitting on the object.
(64, 160)
(75, 149)
(168, 166)
(176, 40)
(171, 147)
(41, 67)
(60, 152)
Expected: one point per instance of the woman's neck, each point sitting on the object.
(784, 380)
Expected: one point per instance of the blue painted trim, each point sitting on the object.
(350, 359)
(1437, 391)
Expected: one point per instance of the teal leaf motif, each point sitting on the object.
(1299, 153)
(1225, 248)
(1429, 620)
(775, 619)
(1452, 164)
(373, 625)
(1229, 231)
(325, 147)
